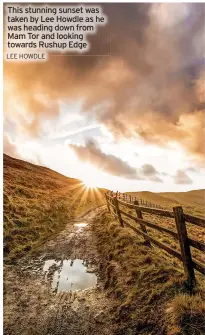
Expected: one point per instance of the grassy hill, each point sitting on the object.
(38, 202)
(153, 298)
(192, 201)
(149, 283)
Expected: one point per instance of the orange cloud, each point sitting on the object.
(151, 85)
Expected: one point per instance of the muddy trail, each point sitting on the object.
(59, 290)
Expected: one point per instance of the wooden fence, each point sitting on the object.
(128, 198)
(114, 203)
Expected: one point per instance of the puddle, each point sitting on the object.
(80, 226)
(48, 264)
(69, 275)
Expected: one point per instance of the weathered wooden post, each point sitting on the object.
(184, 245)
(143, 227)
(116, 204)
(108, 206)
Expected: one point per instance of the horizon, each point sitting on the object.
(200, 189)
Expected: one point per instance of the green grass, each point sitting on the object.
(147, 283)
(38, 203)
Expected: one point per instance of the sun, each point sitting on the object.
(90, 177)
(90, 183)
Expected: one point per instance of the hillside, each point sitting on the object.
(139, 290)
(153, 298)
(38, 202)
(192, 201)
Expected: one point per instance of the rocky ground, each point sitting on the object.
(39, 300)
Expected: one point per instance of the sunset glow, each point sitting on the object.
(89, 183)
(127, 125)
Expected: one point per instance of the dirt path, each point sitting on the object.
(40, 291)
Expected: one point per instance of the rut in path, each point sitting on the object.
(33, 306)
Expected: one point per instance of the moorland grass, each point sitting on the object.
(38, 203)
(147, 283)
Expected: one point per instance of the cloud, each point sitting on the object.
(149, 171)
(9, 147)
(107, 163)
(151, 86)
(113, 165)
(192, 169)
(165, 174)
(12, 149)
(182, 178)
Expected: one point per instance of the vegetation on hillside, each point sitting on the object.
(192, 201)
(148, 283)
(38, 202)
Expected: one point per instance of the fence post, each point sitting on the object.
(115, 202)
(184, 245)
(108, 206)
(143, 227)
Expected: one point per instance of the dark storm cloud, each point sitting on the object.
(151, 85)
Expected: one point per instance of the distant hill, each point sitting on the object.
(38, 202)
(192, 201)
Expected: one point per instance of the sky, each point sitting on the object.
(127, 116)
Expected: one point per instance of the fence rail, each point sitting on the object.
(128, 198)
(116, 200)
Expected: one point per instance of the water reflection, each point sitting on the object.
(69, 275)
(80, 226)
